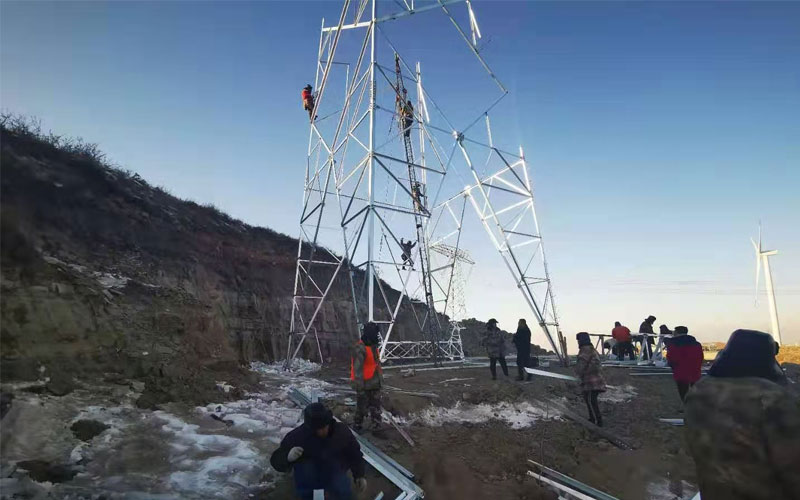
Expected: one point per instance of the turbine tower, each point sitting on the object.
(762, 259)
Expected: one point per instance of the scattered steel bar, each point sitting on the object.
(574, 483)
(560, 487)
(534, 371)
(672, 421)
(388, 416)
(590, 426)
(412, 393)
(374, 449)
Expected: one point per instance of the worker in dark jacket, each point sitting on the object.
(522, 340)
(319, 452)
(647, 340)
(743, 425)
(588, 370)
(495, 345)
(366, 377)
(685, 356)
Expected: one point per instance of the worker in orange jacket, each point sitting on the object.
(366, 377)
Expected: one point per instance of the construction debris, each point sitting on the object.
(388, 416)
(672, 421)
(412, 393)
(565, 484)
(619, 443)
(455, 380)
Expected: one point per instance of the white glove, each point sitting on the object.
(361, 484)
(295, 453)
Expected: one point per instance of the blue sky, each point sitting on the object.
(659, 133)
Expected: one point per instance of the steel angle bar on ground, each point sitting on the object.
(590, 426)
(534, 371)
(374, 449)
(574, 483)
(672, 421)
(560, 487)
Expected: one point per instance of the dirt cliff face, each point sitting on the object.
(104, 274)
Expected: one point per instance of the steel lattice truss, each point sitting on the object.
(358, 202)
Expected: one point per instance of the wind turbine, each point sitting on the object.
(762, 259)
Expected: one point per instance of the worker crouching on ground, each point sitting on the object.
(319, 452)
(622, 334)
(685, 357)
(495, 348)
(743, 425)
(587, 367)
(522, 340)
(366, 377)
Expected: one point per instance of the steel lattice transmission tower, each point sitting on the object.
(385, 163)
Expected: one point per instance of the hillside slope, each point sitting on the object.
(103, 273)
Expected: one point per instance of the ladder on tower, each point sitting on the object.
(431, 326)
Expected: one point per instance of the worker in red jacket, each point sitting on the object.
(308, 101)
(685, 356)
(622, 334)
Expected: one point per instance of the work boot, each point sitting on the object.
(494, 377)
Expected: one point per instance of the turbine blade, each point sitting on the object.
(759, 235)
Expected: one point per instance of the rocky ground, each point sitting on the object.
(473, 436)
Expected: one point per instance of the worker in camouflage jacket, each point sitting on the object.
(743, 425)
(366, 377)
(495, 345)
(587, 368)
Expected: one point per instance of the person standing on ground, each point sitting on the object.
(587, 367)
(366, 377)
(495, 348)
(319, 452)
(685, 357)
(522, 340)
(743, 425)
(622, 334)
(647, 340)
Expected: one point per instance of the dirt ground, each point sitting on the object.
(489, 459)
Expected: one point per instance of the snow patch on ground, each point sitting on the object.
(108, 280)
(618, 394)
(299, 367)
(212, 464)
(665, 489)
(517, 415)
(261, 413)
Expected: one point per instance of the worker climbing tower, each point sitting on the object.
(381, 171)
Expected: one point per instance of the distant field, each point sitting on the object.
(787, 354)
